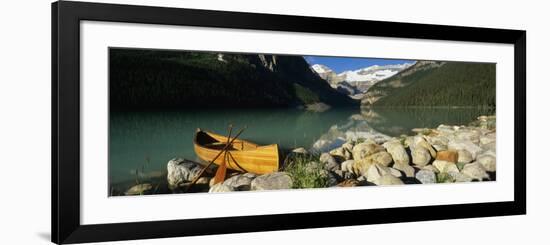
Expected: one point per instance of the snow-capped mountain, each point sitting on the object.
(362, 79)
(321, 69)
(328, 74)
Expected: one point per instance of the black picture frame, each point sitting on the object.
(66, 18)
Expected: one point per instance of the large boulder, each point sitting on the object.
(397, 152)
(377, 170)
(426, 176)
(181, 171)
(363, 150)
(420, 156)
(360, 167)
(272, 181)
(475, 171)
(420, 141)
(240, 182)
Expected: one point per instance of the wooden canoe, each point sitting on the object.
(244, 156)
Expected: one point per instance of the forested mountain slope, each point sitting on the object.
(430, 83)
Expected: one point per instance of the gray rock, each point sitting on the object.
(397, 151)
(240, 182)
(139, 189)
(329, 161)
(475, 171)
(220, 187)
(181, 171)
(488, 160)
(272, 181)
(425, 176)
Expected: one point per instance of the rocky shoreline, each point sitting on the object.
(445, 154)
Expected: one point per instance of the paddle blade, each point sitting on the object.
(220, 173)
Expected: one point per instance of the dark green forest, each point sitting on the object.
(141, 79)
(452, 84)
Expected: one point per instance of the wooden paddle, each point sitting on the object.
(214, 159)
(222, 169)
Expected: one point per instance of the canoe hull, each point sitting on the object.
(245, 156)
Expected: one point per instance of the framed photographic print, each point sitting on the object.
(176, 122)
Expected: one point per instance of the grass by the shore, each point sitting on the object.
(306, 171)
